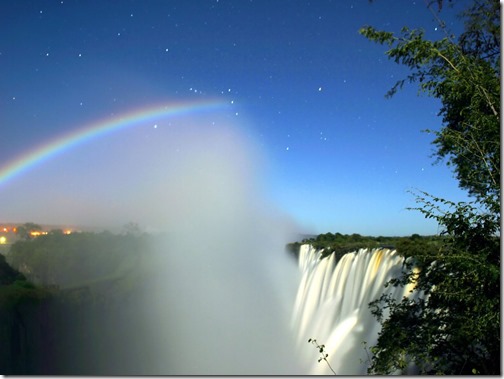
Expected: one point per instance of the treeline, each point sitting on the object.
(64, 261)
(341, 244)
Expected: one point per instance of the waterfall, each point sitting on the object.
(331, 306)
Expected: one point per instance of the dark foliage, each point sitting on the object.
(453, 325)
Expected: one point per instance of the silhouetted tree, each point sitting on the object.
(454, 326)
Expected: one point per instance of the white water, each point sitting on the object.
(332, 306)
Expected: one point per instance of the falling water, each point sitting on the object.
(332, 306)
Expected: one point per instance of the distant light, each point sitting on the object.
(36, 233)
(3, 240)
(68, 231)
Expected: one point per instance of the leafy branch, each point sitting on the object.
(323, 354)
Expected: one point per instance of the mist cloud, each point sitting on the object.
(220, 287)
(223, 285)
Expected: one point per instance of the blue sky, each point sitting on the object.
(305, 94)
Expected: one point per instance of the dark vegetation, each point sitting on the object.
(454, 328)
(77, 259)
(69, 304)
(340, 244)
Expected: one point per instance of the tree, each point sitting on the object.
(453, 325)
(132, 228)
(24, 231)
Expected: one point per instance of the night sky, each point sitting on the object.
(302, 94)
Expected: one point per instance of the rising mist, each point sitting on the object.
(222, 288)
(218, 287)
